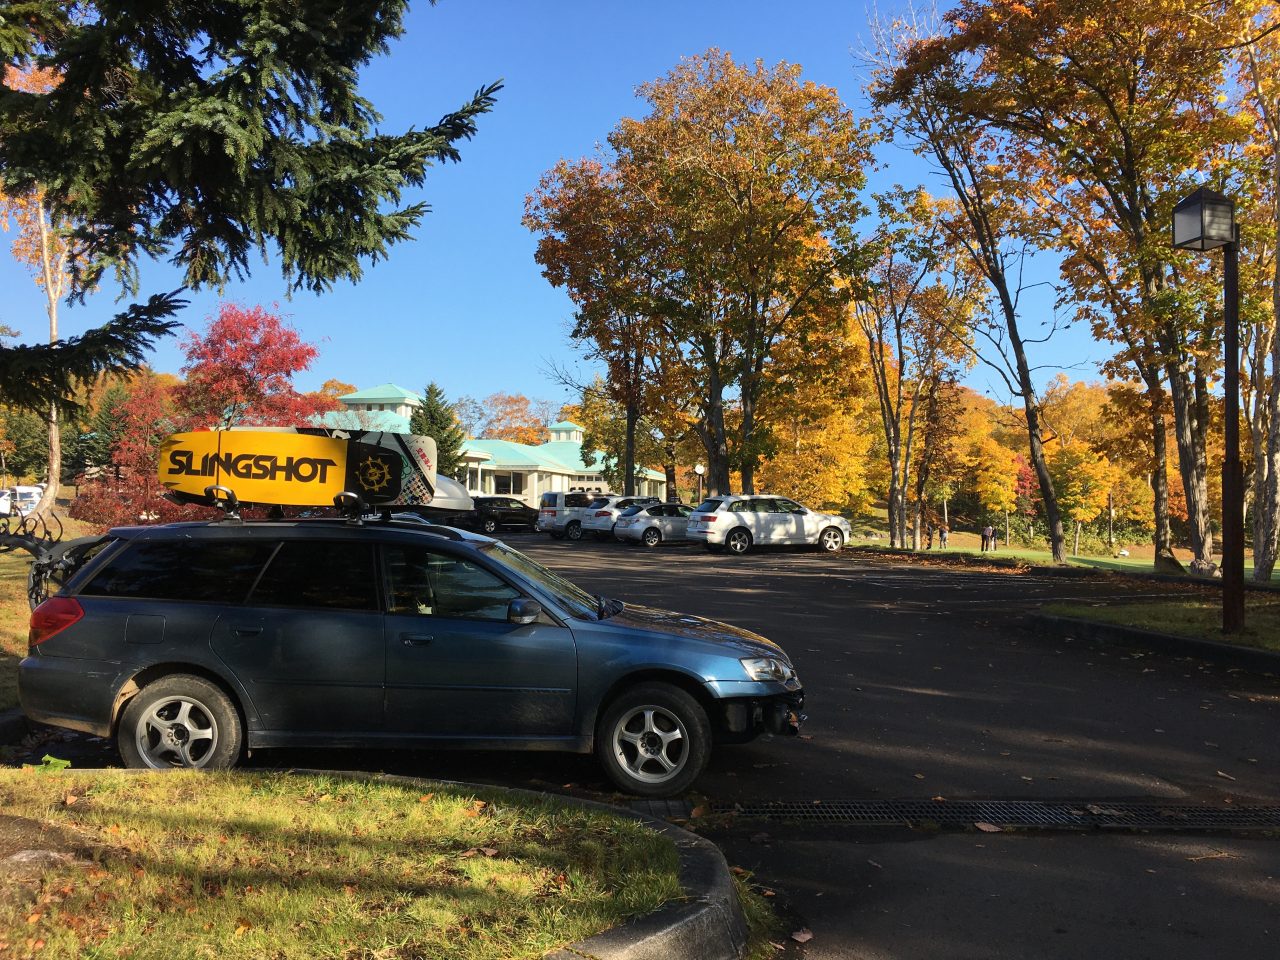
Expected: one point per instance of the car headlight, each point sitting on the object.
(767, 668)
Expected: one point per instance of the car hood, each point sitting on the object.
(696, 628)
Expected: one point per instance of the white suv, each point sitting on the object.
(603, 513)
(560, 514)
(741, 522)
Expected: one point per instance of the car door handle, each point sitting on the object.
(247, 631)
(415, 639)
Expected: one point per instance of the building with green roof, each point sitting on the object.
(493, 467)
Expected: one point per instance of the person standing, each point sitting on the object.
(987, 533)
(942, 537)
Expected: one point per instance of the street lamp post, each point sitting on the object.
(1206, 220)
(699, 469)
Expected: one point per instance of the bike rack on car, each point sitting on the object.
(53, 559)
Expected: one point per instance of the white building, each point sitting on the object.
(493, 467)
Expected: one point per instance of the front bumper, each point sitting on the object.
(781, 714)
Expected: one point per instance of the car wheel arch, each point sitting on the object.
(676, 678)
(158, 671)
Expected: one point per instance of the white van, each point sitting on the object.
(6, 501)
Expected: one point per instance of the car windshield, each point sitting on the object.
(576, 600)
(708, 506)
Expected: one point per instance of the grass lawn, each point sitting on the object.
(1198, 617)
(258, 865)
(14, 614)
(968, 547)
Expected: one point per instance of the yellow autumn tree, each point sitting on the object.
(1083, 480)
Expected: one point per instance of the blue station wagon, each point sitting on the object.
(190, 643)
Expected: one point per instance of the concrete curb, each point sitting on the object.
(14, 725)
(1069, 628)
(707, 925)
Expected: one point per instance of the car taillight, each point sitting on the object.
(549, 513)
(707, 519)
(602, 513)
(52, 617)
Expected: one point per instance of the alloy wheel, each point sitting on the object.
(831, 540)
(651, 744)
(177, 732)
(739, 541)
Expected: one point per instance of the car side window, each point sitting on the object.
(209, 571)
(336, 575)
(430, 583)
(789, 506)
(680, 510)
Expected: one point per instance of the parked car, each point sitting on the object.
(192, 642)
(493, 513)
(602, 513)
(652, 525)
(742, 522)
(560, 514)
(6, 503)
(24, 499)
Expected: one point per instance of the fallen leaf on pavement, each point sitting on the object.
(878, 866)
(1220, 855)
(919, 776)
(803, 935)
(988, 827)
(1225, 776)
(940, 799)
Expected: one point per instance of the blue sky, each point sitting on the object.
(464, 304)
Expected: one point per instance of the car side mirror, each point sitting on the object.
(523, 610)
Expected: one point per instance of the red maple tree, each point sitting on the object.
(127, 491)
(240, 372)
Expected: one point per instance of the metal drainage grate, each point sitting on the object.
(1035, 814)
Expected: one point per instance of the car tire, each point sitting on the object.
(661, 765)
(574, 530)
(489, 525)
(157, 727)
(651, 537)
(830, 540)
(738, 541)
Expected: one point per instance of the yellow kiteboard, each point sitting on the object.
(299, 469)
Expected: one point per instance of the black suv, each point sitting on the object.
(492, 513)
(189, 643)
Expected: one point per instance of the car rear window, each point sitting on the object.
(709, 506)
(576, 500)
(630, 511)
(548, 500)
(330, 575)
(201, 571)
(598, 502)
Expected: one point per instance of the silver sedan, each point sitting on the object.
(652, 525)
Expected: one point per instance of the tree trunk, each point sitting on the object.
(748, 458)
(52, 293)
(1266, 509)
(629, 451)
(916, 516)
(1189, 433)
(714, 439)
(1159, 469)
(673, 493)
(1075, 550)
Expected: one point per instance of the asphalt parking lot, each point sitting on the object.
(924, 683)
